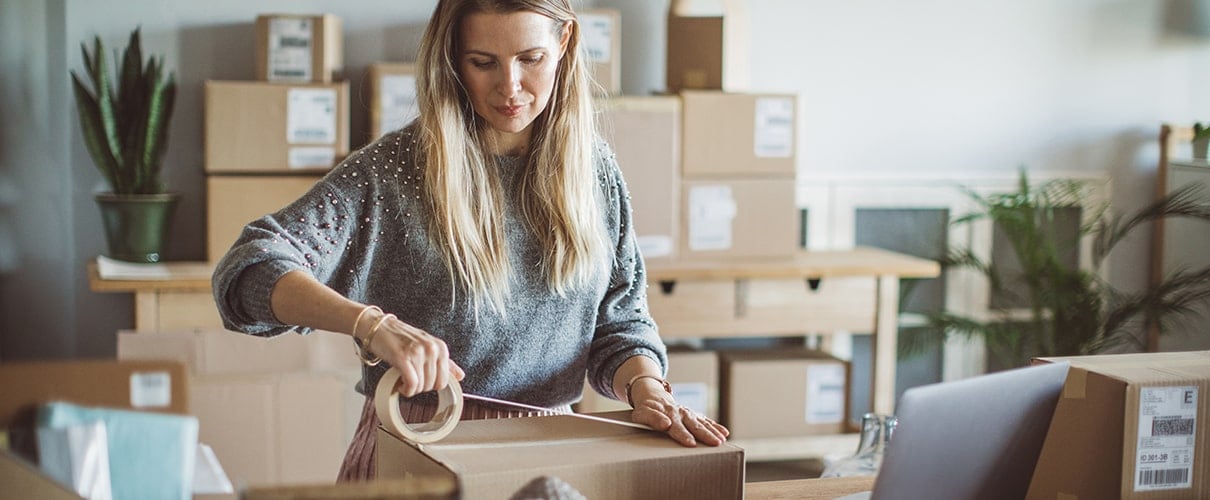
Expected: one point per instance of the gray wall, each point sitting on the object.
(887, 88)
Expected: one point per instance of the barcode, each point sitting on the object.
(297, 73)
(1163, 476)
(1171, 426)
(297, 42)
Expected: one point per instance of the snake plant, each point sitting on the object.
(125, 118)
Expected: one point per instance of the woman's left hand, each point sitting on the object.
(655, 408)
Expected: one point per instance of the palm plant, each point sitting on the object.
(126, 129)
(1070, 310)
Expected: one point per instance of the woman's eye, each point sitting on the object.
(532, 59)
(481, 64)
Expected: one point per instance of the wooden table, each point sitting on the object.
(808, 489)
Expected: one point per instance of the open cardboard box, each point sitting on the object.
(496, 458)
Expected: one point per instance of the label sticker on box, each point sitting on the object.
(692, 395)
(711, 210)
(311, 157)
(655, 245)
(150, 390)
(774, 127)
(1167, 431)
(825, 393)
(311, 116)
(397, 101)
(596, 37)
(290, 48)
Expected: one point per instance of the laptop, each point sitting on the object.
(977, 438)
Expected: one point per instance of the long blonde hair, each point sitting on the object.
(559, 204)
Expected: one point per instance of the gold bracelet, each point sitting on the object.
(370, 338)
(636, 378)
(363, 313)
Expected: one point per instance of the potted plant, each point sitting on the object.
(124, 120)
(1201, 140)
(1067, 310)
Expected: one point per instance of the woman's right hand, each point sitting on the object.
(423, 360)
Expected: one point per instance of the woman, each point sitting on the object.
(488, 241)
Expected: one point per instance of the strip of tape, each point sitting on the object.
(386, 405)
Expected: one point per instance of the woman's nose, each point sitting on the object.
(510, 81)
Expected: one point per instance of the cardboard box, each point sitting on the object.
(133, 385)
(601, 40)
(234, 201)
(783, 393)
(1128, 426)
(645, 133)
(693, 375)
(22, 479)
(279, 410)
(260, 127)
(738, 219)
(392, 97)
(708, 47)
(298, 48)
(729, 135)
(495, 458)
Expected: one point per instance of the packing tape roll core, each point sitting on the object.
(386, 405)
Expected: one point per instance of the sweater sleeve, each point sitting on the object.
(624, 326)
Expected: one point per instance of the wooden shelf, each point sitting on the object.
(860, 261)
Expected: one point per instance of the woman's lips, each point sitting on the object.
(509, 111)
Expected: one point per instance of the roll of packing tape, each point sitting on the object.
(386, 405)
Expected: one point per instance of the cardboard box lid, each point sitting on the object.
(1143, 368)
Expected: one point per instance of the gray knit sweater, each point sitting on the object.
(362, 231)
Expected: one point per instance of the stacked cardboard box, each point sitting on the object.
(783, 393)
(392, 97)
(601, 38)
(280, 132)
(693, 375)
(707, 46)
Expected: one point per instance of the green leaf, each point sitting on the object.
(90, 121)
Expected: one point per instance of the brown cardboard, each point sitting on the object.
(707, 48)
(693, 375)
(415, 488)
(1092, 447)
(645, 133)
(729, 134)
(136, 385)
(392, 97)
(783, 393)
(277, 410)
(495, 458)
(738, 219)
(318, 36)
(22, 479)
(693, 308)
(234, 201)
(601, 39)
(248, 128)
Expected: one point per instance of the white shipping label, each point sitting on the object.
(311, 157)
(397, 102)
(692, 395)
(150, 390)
(290, 46)
(1167, 432)
(655, 245)
(597, 37)
(774, 127)
(711, 211)
(825, 393)
(311, 116)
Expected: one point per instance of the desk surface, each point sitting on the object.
(810, 489)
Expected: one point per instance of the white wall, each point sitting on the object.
(891, 89)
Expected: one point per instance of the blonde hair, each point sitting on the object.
(560, 203)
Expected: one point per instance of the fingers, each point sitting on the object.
(683, 425)
(423, 360)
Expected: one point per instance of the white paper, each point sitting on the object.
(110, 269)
(77, 456)
(397, 102)
(311, 116)
(150, 390)
(596, 37)
(774, 128)
(825, 393)
(208, 475)
(711, 211)
(655, 245)
(692, 395)
(311, 157)
(290, 46)
(1167, 431)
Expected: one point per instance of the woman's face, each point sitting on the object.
(508, 64)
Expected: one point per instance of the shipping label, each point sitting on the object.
(311, 157)
(692, 395)
(1166, 439)
(150, 390)
(290, 46)
(774, 127)
(397, 102)
(825, 393)
(655, 245)
(711, 211)
(597, 37)
(311, 116)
